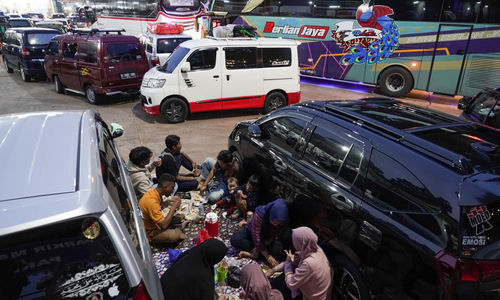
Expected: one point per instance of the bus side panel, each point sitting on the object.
(481, 70)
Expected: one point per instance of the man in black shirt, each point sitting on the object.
(171, 161)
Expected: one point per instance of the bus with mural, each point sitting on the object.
(449, 47)
(135, 16)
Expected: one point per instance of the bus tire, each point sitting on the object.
(174, 110)
(395, 81)
(348, 282)
(274, 100)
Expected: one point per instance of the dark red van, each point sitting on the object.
(95, 63)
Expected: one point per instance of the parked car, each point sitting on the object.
(16, 16)
(158, 47)
(58, 16)
(223, 74)
(95, 63)
(78, 21)
(23, 50)
(52, 25)
(64, 22)
(405, 199)
(483, 107)
(20, 22)
(70, 225)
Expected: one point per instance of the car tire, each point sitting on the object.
(274, 100)
(395, 82)
(174, 110)
(348, 282)
(58, 85)
(92, 97)
(7, 68)
(24, 76)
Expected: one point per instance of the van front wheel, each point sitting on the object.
(274, 101)
(174, 110)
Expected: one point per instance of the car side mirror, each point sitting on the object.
(116, 130)
(255, 131)
(463, 102)
(186, 67)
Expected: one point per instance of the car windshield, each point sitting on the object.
(19, 23)
(168, 45)
(40, 38)
(174, 60)
(123, 52)
(70, 260)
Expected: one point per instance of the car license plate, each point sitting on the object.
(128, 75)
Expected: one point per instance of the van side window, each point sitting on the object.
(88, 52)
(149, 48)
(203, 60)
(69, 50)
(241, 58)
(326, 151)
(284, 132)
(53, 47)
(276, 57)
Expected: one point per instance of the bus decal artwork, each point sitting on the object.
(374, 41)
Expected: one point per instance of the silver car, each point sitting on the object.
(69, 220)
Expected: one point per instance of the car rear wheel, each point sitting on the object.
(395, 82)
(274, 101)
(348, 282)
(7, 68)
(58, 85)
(92, 97)
(24, 76)
(174, 110)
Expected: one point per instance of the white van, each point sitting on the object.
(221, 74)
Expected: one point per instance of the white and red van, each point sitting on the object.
(222, 74)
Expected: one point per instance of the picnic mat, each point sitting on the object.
(227, 226)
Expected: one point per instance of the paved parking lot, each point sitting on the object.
(202, 134)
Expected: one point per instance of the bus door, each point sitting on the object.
(448, 61)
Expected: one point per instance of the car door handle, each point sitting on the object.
(216, 76)
(228, 77)
(279, 166)
(342, 202)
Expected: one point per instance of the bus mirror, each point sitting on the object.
(186, 67)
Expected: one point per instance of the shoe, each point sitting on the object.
(224, 215)
(213, 206)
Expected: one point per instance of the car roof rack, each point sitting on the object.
(449, 158)
(93, 31)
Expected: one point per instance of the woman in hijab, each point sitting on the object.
(191, 277)
(308, 272)
(265, 234)
(255, 284)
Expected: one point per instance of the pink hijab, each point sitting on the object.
(256, 285)
(304, 241)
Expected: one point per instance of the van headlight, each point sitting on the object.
(153, 83)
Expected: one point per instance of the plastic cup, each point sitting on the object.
(221, 275)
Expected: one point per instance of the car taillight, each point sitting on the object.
(155, 61)
(139, 293)
(490, 270)
(469, 270)
(25, 52)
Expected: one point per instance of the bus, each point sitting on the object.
(134, 16)
(449, 47)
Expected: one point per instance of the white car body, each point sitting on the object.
(150, 42)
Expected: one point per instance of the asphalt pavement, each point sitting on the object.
(202, 135)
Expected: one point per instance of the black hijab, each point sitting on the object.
(191, 277)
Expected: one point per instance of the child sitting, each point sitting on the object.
(227, 200)
(246, 198)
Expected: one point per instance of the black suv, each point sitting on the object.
(405, 200)
(484, 107)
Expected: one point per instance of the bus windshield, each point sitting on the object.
(174, 60)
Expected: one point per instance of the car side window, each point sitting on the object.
(203, 60)
(69, 50)
(149, 48)
(276, 57)
(53, 47)
(326, 151)
(392, 187)
(241, 58)
(88, 52)
(113, 182)
(284, 132)
(482, 107)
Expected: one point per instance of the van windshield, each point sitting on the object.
(123, 52)
(70, 260)
(174, 60)
(40, 38)
(169, 45)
